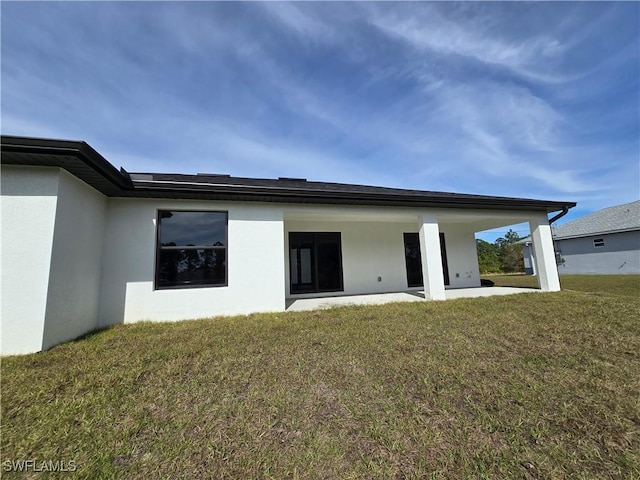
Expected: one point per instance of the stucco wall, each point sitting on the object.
(619, 255)
(255, 264)
(73, 260)
(76, 261)
(27, 210)
(258, 266)
(369, 250)
(462, 256)
(376, 249)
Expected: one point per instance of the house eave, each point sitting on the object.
(77, 157)
(81, 160)
(153, 189)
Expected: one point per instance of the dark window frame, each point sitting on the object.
(412, 270)
(415, 237)
(160, 247)
(314, 264)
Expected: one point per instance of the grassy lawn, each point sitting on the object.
(521, 386)
(628, 285)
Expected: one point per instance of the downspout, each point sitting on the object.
(564, 211)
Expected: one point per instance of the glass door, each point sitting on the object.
(315, 262)
(413, 259)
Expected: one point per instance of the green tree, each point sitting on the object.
(510, 253)
(488, 257)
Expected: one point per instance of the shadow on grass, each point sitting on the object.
(90, 334)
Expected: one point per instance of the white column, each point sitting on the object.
(544, 254)
(431, 259)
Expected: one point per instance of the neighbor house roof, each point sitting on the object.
(620, 218)
(81, 160)
(616, 219)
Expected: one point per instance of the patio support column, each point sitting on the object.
(544, 254)
(432, 275)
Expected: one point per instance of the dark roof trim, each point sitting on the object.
(84, 162)
(301, 195)
(73, 148)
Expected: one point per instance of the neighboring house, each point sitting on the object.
(85, 245)
(604, 242)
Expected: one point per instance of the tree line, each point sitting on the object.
(501, 256)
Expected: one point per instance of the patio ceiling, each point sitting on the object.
(474, 220)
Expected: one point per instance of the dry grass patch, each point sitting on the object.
(522, 386)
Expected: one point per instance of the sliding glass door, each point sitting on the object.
(413, 259)
(315, 262)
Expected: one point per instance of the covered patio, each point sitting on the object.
(363, 255)
(305, 304)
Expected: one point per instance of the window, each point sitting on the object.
(191, 249)
(598, 242)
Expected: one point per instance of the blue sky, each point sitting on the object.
(537, 100)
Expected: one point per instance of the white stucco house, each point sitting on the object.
(603, 242)
(85, 245)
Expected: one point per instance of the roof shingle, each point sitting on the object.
(619, 218)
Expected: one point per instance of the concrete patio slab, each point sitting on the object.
(486, 292)
(303, 304)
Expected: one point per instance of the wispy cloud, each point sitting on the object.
(477, 38)
(533, 100)
(298, 20)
